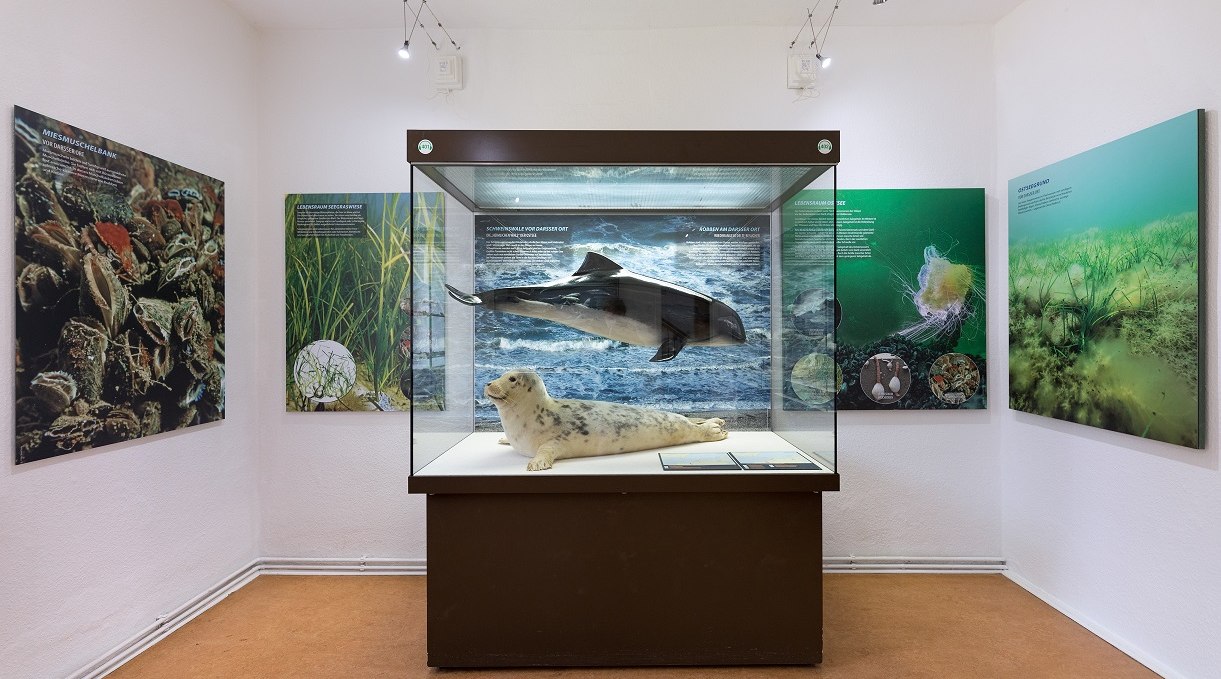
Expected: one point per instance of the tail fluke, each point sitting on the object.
(469, 300)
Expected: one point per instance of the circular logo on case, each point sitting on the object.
(424, 146)
(824, 146)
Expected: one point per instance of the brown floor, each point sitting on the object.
(877, 626)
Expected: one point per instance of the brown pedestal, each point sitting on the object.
(620, 579)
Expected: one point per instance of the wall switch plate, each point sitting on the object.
(803, 71)
(447, 72)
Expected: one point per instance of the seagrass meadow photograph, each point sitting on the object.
(120, 282)
(347, 295)
(1104, 286)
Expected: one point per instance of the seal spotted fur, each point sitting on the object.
(547, 429)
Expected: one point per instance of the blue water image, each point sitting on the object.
(1126, 183)
(725, 257)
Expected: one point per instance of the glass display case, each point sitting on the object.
(623, 386)
(689, 273)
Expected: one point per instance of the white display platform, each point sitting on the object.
(479, 454)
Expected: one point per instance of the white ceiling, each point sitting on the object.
(617, 14)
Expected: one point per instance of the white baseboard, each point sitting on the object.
(275, 565)
(167, 623)
(1136, 653)
(901, 564)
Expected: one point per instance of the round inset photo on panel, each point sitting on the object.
(324, 371)
(954, 378)
(815, 312)
(816, 378)
(885, 378)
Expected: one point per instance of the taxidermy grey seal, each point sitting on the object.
(547, 429)
(607, 300)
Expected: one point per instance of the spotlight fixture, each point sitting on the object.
(818, 36)
(415, 21)
(405, 51)
(878, 2)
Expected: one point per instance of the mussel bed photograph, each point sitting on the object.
(120, 296)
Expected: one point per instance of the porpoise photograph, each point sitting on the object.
(670, 311)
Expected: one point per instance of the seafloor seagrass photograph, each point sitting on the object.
(120, 278)
(347, 302)
(1104, 329)
(1104, 272)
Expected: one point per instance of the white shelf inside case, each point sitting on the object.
(479, 454)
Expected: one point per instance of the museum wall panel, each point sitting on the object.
(97, 544)
(1119, 531)
(334, 107)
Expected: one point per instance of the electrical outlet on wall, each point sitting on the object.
(803, 71)
(447, 72)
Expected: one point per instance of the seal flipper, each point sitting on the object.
(669, 348)
(469, 300)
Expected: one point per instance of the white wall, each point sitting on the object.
(95, 545)
(1121, 532)
(915, 106)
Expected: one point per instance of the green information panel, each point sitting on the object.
(909, 328)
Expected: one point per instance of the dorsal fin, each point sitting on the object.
(595, 262)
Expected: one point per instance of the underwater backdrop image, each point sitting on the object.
(119, 271)
(1104, 286)
(725, 257)
(347, 276)
(908, 298)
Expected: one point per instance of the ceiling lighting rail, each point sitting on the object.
(405, 50)
(449, 37)
(818, 36)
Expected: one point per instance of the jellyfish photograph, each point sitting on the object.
(943, 297)
(909, 287)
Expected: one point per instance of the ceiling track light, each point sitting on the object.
(424, 5)
(818, 41)
(404, 51)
